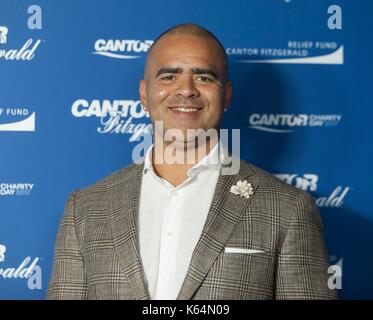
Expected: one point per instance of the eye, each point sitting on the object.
(168, 77)
(204, 79)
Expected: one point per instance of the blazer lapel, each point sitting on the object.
(123, 202)
(225, 212)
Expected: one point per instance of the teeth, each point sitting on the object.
(186, 109)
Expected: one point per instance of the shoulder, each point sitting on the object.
(277, 194)
(96, 193)
(291, 207)
(269, 182)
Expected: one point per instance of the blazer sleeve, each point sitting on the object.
(303, 261)
(68, 280)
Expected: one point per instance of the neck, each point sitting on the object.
(172, 160)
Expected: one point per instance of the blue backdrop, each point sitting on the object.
(301, 73)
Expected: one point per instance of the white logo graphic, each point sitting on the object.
(308, 182)
(27, 124)
(116, 116)
(296, 52)
(26, 52)
(173, 154)
(2, 252)
(3, 34)
(282, 123)
(336, 273)
(27, 269)
(335, 20)
(34, 22)
(121, 49)
(16, 189)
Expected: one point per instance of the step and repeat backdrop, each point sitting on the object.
(70, 113)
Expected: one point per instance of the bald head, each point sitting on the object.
(188, 29)
(186, 68)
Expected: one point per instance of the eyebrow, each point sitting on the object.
(194, 71)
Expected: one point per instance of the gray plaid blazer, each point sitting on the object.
(97, 251)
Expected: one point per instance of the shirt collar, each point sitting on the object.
(213, 159)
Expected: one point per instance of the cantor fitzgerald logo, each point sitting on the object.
(26, 52)
(3, 34)
(121, 48)
(295, 52)
(282, 123)
(27, 269)
(17, 119)
(2, 252)
(115, 116)
(309, 182)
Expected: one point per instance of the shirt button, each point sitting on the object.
(169, 234)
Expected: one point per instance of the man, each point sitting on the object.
(162, 230)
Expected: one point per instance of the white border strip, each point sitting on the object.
(240, 250)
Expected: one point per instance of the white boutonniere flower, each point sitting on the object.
(242, 188)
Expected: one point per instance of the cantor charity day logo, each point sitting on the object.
(15, 189)
(282, 123)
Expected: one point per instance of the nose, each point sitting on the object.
(187, 88)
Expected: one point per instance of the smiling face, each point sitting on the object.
(185, 83)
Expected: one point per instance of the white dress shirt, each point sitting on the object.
(171, 220)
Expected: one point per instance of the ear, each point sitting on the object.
(142, 92)
(227, 95)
